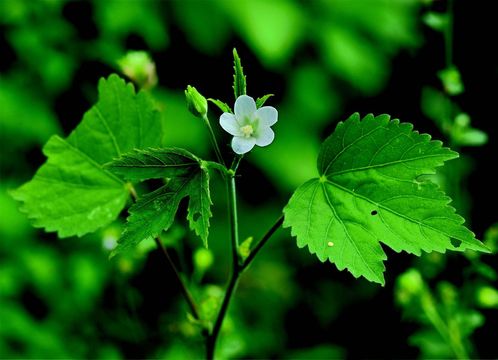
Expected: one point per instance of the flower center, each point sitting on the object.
(247, 130)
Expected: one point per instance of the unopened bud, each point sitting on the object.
(196, 103)
(140, 68)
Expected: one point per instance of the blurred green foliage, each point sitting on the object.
(65, 299)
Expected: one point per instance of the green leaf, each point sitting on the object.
(221, 105)
(261, 100)
(369, 192)
(140, 165)
(155, 211)
(71, 193)
(239, 79)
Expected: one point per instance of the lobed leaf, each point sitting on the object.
(71, 193)
(155, 212)
(143, 164)
(370, 192)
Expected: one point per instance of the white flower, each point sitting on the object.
(249, 126)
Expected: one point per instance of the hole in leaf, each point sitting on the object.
(456, 243)
(373, 212)
(196, 216)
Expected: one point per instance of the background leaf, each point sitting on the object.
(369, 191)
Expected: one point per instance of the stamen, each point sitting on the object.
(247, 130)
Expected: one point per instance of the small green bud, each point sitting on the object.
(203, 259)
(196, 103)
(487, 297)
(410, 286)
(452, 81)
(462, 120)
(139, 67)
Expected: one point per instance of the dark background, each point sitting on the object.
(365, 322)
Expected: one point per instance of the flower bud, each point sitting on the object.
(196, 103)
(140, 68)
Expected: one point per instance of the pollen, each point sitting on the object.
(247, 130)
(330, 244)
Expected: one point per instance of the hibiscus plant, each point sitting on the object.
(371, 187)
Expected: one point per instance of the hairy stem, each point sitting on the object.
(214, 142)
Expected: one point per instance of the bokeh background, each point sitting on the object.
(323, 60)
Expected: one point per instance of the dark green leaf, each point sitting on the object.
(140, 165)
(155, 212)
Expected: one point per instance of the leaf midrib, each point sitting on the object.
(159, 166)
(391, 163)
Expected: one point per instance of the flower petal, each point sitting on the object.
(229, 124)
(265, 136)
(244, 106)
(241, 145)
(267, 115)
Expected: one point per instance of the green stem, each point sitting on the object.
(453, 340)
(234, 222)
(185, 292)
(214, 142)
(213, 337)
(235, 271)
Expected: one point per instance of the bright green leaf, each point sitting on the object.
(155, 211)
(71, 193)
(221, 105)
(261, 100)
(369, 192)
(239, 79)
